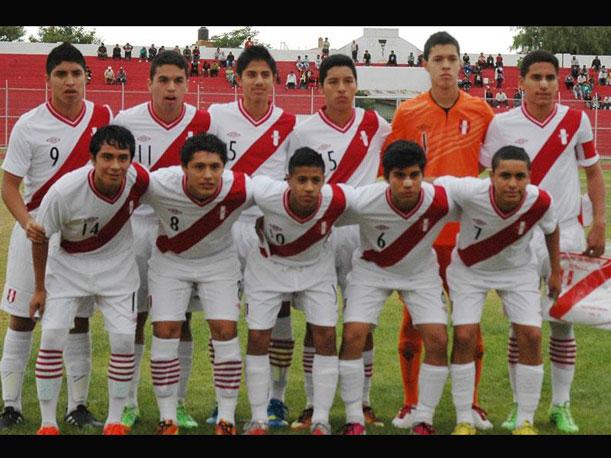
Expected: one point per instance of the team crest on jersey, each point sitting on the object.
(323, 228)
(364, 138)
(521, 227)
(463, 126)
(131, 207)
(276, 138)
(382, 227)
(143, 138)
(53, 140)
(222, 212)
(564, 137)
(233, 134)
(10, 297)
(425, 224)
(479, 222)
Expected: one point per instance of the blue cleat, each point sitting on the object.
(277, 413)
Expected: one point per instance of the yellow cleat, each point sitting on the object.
(527, 429)
(464, 429)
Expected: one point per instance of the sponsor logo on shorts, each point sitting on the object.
(10, 297)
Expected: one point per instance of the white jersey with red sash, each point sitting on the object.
(96, 254)
(351, 153)
(557, 147)
(490, 240)
(44, 146)
(194, 230)
(292, 240)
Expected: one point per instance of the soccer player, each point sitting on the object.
(90, 209)
(160, 127)
(196, 204)
(256, 132)
(558, 140)
(349, 140)
(450, 125)
(46, 143)
(493, 251)
(294, 258)
(398, 219)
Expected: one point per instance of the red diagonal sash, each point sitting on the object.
(496, 243)
(406, 242)
(209, 222)
(553, 147)
(77, 158)
(200, 123)
(264, 148)
(316, 232)
(117, 222)
(357, 149)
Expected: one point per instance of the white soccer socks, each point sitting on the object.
(463, 384)
(280, 356)
(185, 358)
(351, 381)
(325, 372)
(529, 380)
(227, 376)
(15, 356)
(431, 381)
(49, 369)
(165, 373)
(257, 383)
(132, 397)
(563, 353)
(77, 358)
(513, 354)
(308, 361)
(120, 373)
(368, 367)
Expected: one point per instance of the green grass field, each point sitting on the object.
(591, 397)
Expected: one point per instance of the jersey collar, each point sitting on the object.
(398, 211)
(534, 120)
(110, 200)
(287, 207)
(498, 210)
(250, 119)
(158, 120)
(201, 203)
(65, 120)
(328, 121)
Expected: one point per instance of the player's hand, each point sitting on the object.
(37, 305)
(596, 241)
(35, 232)
(554, 285)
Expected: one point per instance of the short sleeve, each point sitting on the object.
(585, 150)
(350, 214)
(549, 222)
(52, 212)
(492, 143)
(19, 152)
(261, 187)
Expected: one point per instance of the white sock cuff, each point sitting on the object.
(257, 360)
(462, 368)
(368, 357)
(350, 365)
(434, 369)
(527, 369)
(326, 362)
(227, 350)
(18, 336)
(164, 349)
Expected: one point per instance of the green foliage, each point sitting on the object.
(563, 39)
(236, 38)
(68, 33)
(11, 32)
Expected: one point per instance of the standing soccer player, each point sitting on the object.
(450, 125)
(90, 209)
(558, 140)
(160, 126)
(46, 143)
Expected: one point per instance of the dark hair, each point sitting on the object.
(256, 52)
(64, 53)
(510, 153)
(439, 38)
(306, 157)
(401, 154)
(535, 57)
(168, 58)
(335, 60)
(114, 135)
(203, 142)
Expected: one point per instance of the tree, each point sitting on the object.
(236, 38)
(566, 39)
(11, 32)
(68, 33)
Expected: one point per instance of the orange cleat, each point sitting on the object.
(115, 429)
(48, 431)
(225, 428)
(167, 428)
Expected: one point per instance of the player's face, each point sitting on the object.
(540, 85)
(305, 183)
(339, 89)
(204, 173)
(168, 89)
(257, 81)
(67, 84)
(443, 65)
(110, 164)
(405, 186)
(510, 179)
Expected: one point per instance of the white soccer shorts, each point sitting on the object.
(244, 238)
(144, 229)
(344, 240)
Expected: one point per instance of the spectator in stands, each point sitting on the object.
(304, 79)
(325, 48)
(575, 67)
(577, 91)
(500, 77)
(194, 71)
(465, 84)
(299, 64)
(517, 98)
(318, 61)
(584, 71)
(499, 61)
(195, 53)
(88, 74)
(217, 54)
(481, 60)
(586, 92)
(466, 59)
(248, 43)
(222, 59)
(354, 49)
(467, 70)
(187, 53)
(176, 49)
(367, 57)
(102, 52)
(230, 59)
(596, 64)
(489, 96)
(116, 52)
(128, 51)
(214, 69)
(291, 80)
(230, 76)
(411, 60)
(152, 52)
(603, 76)
(392, 59)
(596, 101)
(581, 79)
(606, 103)
(143, 54)
(312, 80)
(501, 99)
(490, 61)
(161, 49)
(306, 62)
(205, 68)
(109, 75)
(569, 81)
(121, 76)
(478, 80)
(420, 60)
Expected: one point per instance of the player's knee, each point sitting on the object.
(167, 329)
(258, 341)
(53, 339)
(21, 324)
(354, 339)
(437, 343)
(122, 344)
(464, 338)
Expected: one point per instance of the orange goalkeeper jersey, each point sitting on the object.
(450, 138)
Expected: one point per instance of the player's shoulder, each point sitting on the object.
(31, 116)
(223, 108)
(73, 181)
(422, 100)
(129, 113)
(475, 106)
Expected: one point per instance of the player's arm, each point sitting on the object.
(14, 202)
(596, 192)
(553, 248)
(39, 260)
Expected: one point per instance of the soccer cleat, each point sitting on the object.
(560, 416)
(353, 429)
(48, 431)
(404, 418)
(81, 417)
(525, 430)
(255, 428)
(211, 420)
(370, 417)
(423, 429)
(10, 417)
(320, 429)
(510, 423)
(305, 419)
(166, 428)
(115, 429)
(464, 429)
(277, 412)
(224, 428)
(480, 418)
(184, 419)
(130, 416)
